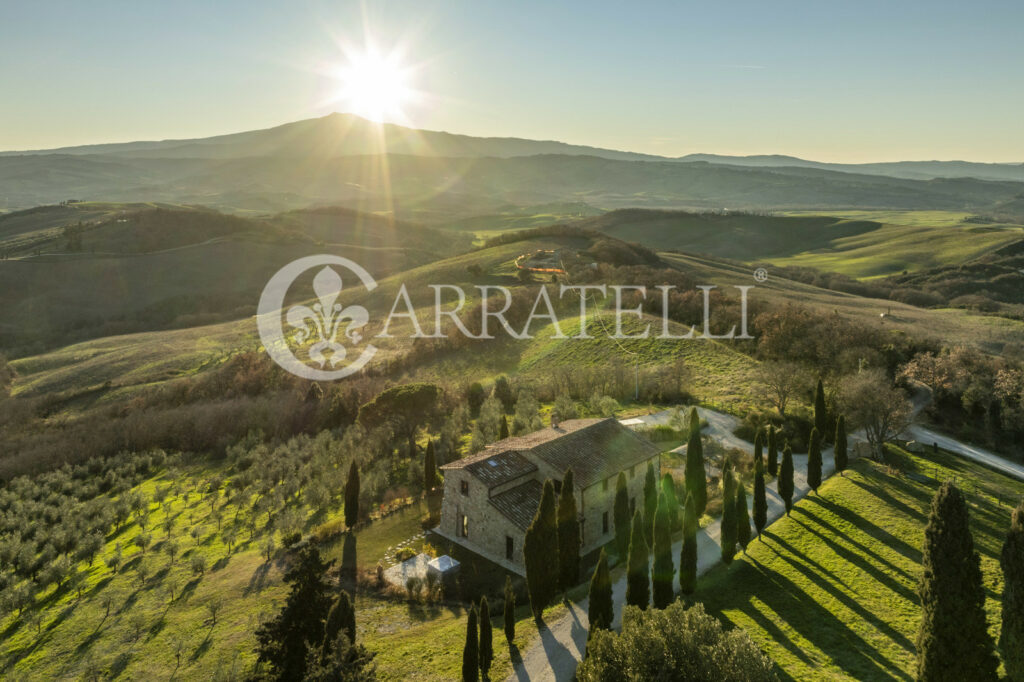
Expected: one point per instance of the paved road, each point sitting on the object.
(927, 437)
(562, 642)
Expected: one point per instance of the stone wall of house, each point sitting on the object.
(595, 501)
(488, 527)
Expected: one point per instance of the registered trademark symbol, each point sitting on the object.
(760, 275)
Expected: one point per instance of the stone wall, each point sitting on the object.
(488, 527)
(595, 501)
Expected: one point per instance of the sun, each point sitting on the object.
(374, 85)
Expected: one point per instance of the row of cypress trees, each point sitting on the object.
(478, 652)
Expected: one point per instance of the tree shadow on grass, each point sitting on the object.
(802, 556)
(257, 579)
(882, 535)
(221, 563)
(864, 564)
(858, 546)
(119, 664)
(825, 630)
(203, 647)
(189, 588)
(849, 602)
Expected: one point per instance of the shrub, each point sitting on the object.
(674, 644)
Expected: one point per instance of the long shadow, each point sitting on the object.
(802, 556)
(257, 579)
(189, 588)
(865, 565)
(776, 633)
(850, 603)
(552, 647)
(889, 499)
(825, 630)
(859, 546)
(517, 663)
(874, 530)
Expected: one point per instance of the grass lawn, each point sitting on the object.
(830, 593)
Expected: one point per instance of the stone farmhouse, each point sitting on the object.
(490, 498)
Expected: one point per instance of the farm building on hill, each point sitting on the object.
(490, 498)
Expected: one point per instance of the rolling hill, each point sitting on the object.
(341, 159)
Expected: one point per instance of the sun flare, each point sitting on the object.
(374, 85)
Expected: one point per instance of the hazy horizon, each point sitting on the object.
(870, 83)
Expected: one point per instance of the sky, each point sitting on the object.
(827, 80)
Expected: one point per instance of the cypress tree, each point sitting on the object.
(696, 479)
(814, 460)
(600, 610)
(773, 452)
(728, 528)
(486, 638)
(688, 554)
(760, 500)
(668, 489)
(663, 570)
(352, 496)
(1011, 637)
(650, 503)
(540, 547)
(509, 613)
(953, 641)
(820, 412)
(503, 429)
(742, 517)
(759, 446)
(430, 468)
(786, 478)
(840, 450)
(622, 519)
(638, 576)
(470, 652)
(568, 535)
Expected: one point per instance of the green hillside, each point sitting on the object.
(830, 592)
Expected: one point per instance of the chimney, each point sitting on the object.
(554, 420)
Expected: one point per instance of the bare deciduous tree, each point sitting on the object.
(780, 382)
(872, 403)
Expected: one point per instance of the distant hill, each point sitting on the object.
(341, 159)
(333, 136)
(446, 188)
(167, 268)
(916, 170)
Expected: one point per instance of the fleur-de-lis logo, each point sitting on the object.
(326, 323)
(323, 320)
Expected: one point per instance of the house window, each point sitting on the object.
(510, 547)
(632, 471)
(604, 485)
(632, 506)
(604, 523)
(558, 487)
(464, 487)
(463, 525)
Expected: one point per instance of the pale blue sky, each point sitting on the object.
(839, 81)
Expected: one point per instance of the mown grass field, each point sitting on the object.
(830, 592)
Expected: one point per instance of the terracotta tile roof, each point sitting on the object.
(495, 468)
(519, 504)
(593, 448)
